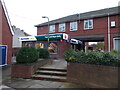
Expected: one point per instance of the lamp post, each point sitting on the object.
(48, 28)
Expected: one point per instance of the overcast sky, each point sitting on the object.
(26, 13)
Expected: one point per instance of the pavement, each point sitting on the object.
(9, 83)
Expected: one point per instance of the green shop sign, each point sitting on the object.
(50, 36)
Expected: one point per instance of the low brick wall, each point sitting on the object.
(93, 76)
(26, 70)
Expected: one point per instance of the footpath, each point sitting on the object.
(19, 83)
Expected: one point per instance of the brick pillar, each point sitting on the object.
(106, 42)
(111, 42)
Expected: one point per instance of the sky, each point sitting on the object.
(24, 14)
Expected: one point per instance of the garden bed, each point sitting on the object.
(93, 69)
(27, 70)
(97, 76)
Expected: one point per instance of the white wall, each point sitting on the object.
(18, 33)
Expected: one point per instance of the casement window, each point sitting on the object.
(88, 24)
(117, 44)
(73, 26)
(52, 29)
(62, 27)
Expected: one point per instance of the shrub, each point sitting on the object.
(81, 56)
(110, 59)
(27, 55)
(92, 57)
(115, 53)
(70, 55)
(43, 53)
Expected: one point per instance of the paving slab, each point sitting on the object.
(3, 87)
(38, 86)
(60, 63)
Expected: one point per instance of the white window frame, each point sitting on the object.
(117, 38)
(73, 26)
(88, 26)
(62, 27)
(51, 28)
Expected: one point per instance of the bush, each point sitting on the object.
(81, 56)
(27, 55)
(92, 57)
(43, 53)
(116, 53)
(70, 55)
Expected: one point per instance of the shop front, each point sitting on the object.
(57, 44)
(76, 44)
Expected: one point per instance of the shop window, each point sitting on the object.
(52, 29)
(53, 47)
(39, 45)
(29, 44)
(88, 24)
(117, 44)
(62, 27)
(73, 26)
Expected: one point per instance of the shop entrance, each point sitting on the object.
(95, 46)
(77, 46)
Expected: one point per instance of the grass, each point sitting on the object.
(40, 59)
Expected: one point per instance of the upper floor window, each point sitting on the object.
(88, 24)
(52, 29)
(73, 26)
(62, 27)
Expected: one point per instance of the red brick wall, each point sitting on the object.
(6, 37)
(63, 47)
(27, 70)
(93, 76)
(100, 26)
(42, 30)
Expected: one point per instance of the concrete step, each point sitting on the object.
(50, 74)
(53, 69)
(50, 78)
(55, 73)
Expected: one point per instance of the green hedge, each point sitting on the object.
(92, 57)
(27, 55)
(43, 53)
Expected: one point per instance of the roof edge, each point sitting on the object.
(86, 15)
(7, 16)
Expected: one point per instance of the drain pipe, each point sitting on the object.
(108, 31)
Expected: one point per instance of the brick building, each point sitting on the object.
(6, 32)
(100, 25)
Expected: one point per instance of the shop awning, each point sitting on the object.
(75, 41)
(52, 37)
(27, 38)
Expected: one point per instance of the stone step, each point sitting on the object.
(54, 73)
(47, 71)
(53, 69)
(50, 74)
(50, 78)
